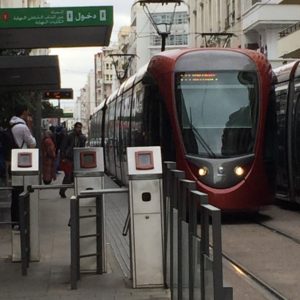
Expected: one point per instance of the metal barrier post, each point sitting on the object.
(74, 211)
(100, 234)
(195, 200)
(207, 212)
(24, 215)
(176, 175)
(167, 167)
(185, 186)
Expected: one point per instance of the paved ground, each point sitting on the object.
(50, 278)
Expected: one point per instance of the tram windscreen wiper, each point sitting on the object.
(200, 139)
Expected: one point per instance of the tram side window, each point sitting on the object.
(270, 141)
(98, 128)
(152, 115)
(137, 134)
(281, 115)
(125, 121)
(111, 124)
(297, 134)
(118, 140)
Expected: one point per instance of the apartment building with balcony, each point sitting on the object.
(262, 23)
(289, 38)
(268, 26)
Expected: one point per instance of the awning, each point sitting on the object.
(29, 73)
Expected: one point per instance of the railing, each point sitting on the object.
(193, 268)
(289, 30)
(75, 231)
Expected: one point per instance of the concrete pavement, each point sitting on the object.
(50, 278)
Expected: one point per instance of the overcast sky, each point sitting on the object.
(75, 63)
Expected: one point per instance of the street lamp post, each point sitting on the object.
(122, 62)
(163, 29)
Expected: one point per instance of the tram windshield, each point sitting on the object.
(217, 112)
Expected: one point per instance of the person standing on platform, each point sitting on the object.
(48, 157)
(23, 139)
(60, 134)
(73, 140)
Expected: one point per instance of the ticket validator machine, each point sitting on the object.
(25, 172)
(89, 175)
(146, 215)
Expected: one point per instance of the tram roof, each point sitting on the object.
(283, 73)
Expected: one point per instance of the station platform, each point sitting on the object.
(50, 277)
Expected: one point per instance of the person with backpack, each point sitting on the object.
(23, 139)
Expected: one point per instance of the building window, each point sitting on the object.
(172, 40)
(181, 18)
(156, 40)
(166, 18)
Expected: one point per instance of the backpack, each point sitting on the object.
(9, 142)
(2, 160)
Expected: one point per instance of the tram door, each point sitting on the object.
(282, 189)
(296, 143)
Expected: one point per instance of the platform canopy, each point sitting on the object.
(20, 73)
(48, 27)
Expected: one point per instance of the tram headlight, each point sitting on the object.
(203, 171)
(239, 171)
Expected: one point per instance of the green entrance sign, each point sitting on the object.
(56, 17)
(48, 27)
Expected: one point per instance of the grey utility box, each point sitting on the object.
(89, 175)
(25, 172)
(146, 216)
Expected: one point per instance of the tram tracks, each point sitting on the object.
(264, 253)
(259, 284)
(280, 232)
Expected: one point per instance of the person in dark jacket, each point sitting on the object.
(73, 140)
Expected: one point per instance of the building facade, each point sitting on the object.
(22, 3)
(144, 41)
(104, 74)
(268, 26)
(85, 103)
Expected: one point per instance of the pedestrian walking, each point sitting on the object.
(73, 140)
